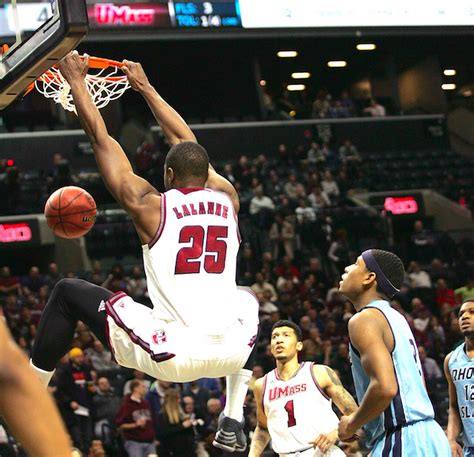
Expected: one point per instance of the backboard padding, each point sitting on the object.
(49, 44)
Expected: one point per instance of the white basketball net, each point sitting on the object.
(104, 85)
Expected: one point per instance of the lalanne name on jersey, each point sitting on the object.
(278, 392)
(190, 209)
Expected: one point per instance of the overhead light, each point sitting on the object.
(287, 54)
(366, 46)
(301, 75)
(449, 72)
(294, 87)
(263, 82)
(337, 63)
(449, 86)
(467, 93)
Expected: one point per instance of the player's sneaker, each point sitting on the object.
(230, 435)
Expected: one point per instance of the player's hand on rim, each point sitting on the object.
(74, 67)
(136, 75)
(325, 440)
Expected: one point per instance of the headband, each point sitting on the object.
(385, 285)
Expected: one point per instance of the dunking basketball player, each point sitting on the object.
(201, 324)
(394, 407)
(459, 371)
(294, 407)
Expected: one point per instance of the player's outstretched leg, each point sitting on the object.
(230, 434)
(71, 300)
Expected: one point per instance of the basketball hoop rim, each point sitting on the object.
(96, 63)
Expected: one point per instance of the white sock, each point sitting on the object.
(43, 375)
(236, 390)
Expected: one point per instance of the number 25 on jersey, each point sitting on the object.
(210, 241)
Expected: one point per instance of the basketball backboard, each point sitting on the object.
(39, 34)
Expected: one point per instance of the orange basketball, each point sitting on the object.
(70, 212)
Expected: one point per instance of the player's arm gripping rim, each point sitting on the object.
(333, 388)
(377, 363)
(261, 437)
(136, 195)
(173, 125)
(27, 408)
(454, 421)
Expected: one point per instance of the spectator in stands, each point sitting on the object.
(330, 187)
(340, 361)
(315, 155)
(282, 237)
(11, 312)
(213, 409)
(339, 252)
(261, 208)
(106, 405)
(8, 284)
(228, 173)
(293, 188)
(348, 152)
(176, 433)
(321, 105)
(101, 358)
(246, 266)
(439, 270)
(444, 294)
(136, 284)
(96, 449)
(137, 376)
(431, 369)
(423, 243)
(347, 103)
(375, 109)
(135, 420)
(436, 337)
(466, 291)
(75, 387)
(115, 280)
(305, 220)
(198, 425)
(200, 394)
(60, 174)
(318, 198)
(261, 285)
(156, 394)
(273, 185)
(32, 282)
(53, 276)
(266, 306)
(212, 385)
(96, 275)
(418, 277)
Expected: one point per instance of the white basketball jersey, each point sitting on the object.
(297, 410)
(190, 264)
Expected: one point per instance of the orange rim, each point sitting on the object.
(94, 62)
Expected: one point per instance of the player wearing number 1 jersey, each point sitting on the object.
(201, 323)
(294, 407)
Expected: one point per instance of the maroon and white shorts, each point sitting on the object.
(174, 352)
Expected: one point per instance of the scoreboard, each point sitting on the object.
(164, 14)
(341, 16)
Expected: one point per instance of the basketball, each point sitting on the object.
(70, 212)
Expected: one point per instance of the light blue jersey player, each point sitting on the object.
(459, 371)
(394, 407)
